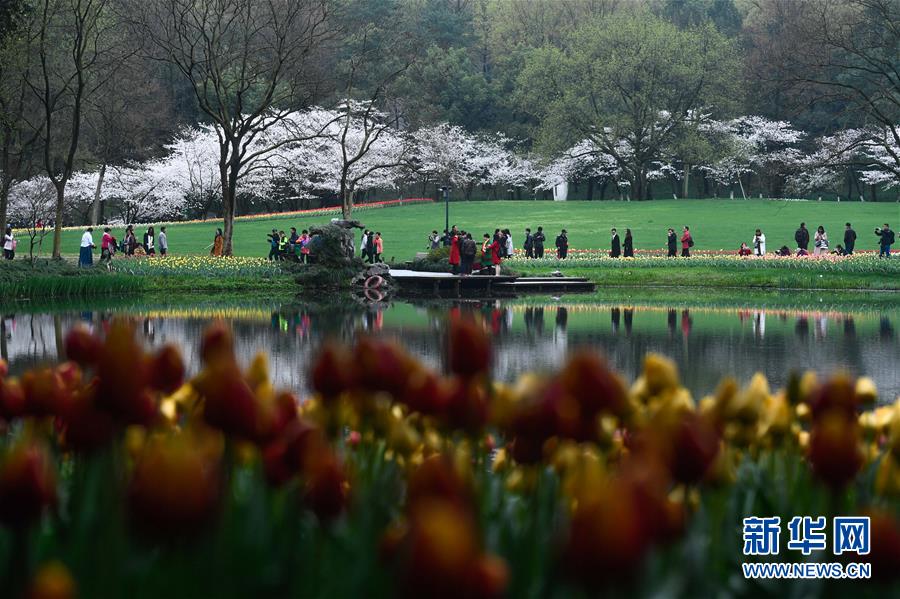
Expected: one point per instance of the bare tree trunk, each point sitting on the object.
(57, 225)
(95, 209)
(5, 184)
(686, 181)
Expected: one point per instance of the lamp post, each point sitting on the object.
(446, 191)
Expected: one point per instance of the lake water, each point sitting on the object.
(709, 338)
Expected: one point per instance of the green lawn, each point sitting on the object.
(716, 224)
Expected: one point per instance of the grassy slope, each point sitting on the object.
(717, 224)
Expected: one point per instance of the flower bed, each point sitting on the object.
(118, 476)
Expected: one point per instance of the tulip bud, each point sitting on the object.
(217, 344)
(175, 487)
(12, 399)
(326, 485)
(884, 550)
(469, 352)
(122, 377)
(82, 346)
(334, 371)
(27, 484)
(695, 445)
(45, 392)
(588, 379)
(52, 581)
(167, 370)
(834, 449)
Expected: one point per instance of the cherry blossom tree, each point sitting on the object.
(32, 204)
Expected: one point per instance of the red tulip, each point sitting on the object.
(52, 581)
(469, 352)
(12, 399)
(175, 487)
(123, 376)
(884, 549)
(834, 450)
(333, 372)
(167, 370)
(596, 388)
(326, 485)
(27, 484)
(694, 447)
(217, 345)
(82, 346)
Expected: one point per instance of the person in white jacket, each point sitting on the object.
(759, 243)
(9, 244)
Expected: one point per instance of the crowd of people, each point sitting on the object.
(129, 246)
(293, 247)
(495, 248)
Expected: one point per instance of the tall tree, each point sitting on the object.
(72, 48)
(249, 63)
(629, 83)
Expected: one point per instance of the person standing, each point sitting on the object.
(759, 243)
(820, 242)
(507, 238)
(672, 243)
(218, 245)
(130, 241)
(149, 242)
(495, 256)
(562, 245)
(434, 240)
(528, 244)
(379, 246)
(467, 253)
(539, 240)
(616, 248)
(86, 253)
(687, 242)
(628, 245)
(849, 240)
(9, 244)
(304, 247)
(282, 246)
(887, 240)
(454, 252)
(801, 236)
(273, 244)
(107, 246)
(163, 241)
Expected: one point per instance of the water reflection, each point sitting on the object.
(706, 343)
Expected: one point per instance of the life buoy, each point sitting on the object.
(374, 282)
(373, 295)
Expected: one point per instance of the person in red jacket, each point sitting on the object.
(687, 242)
(454, 250)
(495, 256)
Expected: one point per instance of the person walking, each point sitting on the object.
(363, 245)
(434, 240)
(820, 242)
(562, 245)
(149, 242)
(539, 240)
(849, 239)
(467, 254)
(628, 245)
(801, 236)
(9, 244)
(672, 243)
(687, 242)
(86, 253)
(379, 246)
(163, 241)
(370, 247)
(759, 243)
(218, 245)
(507, 238)
(528, 244)
(616, 247)
(454, 252)
(282, 246)
(273, 244)
(107, 246)
(887, 240)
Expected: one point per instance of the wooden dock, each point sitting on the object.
(444, 284)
